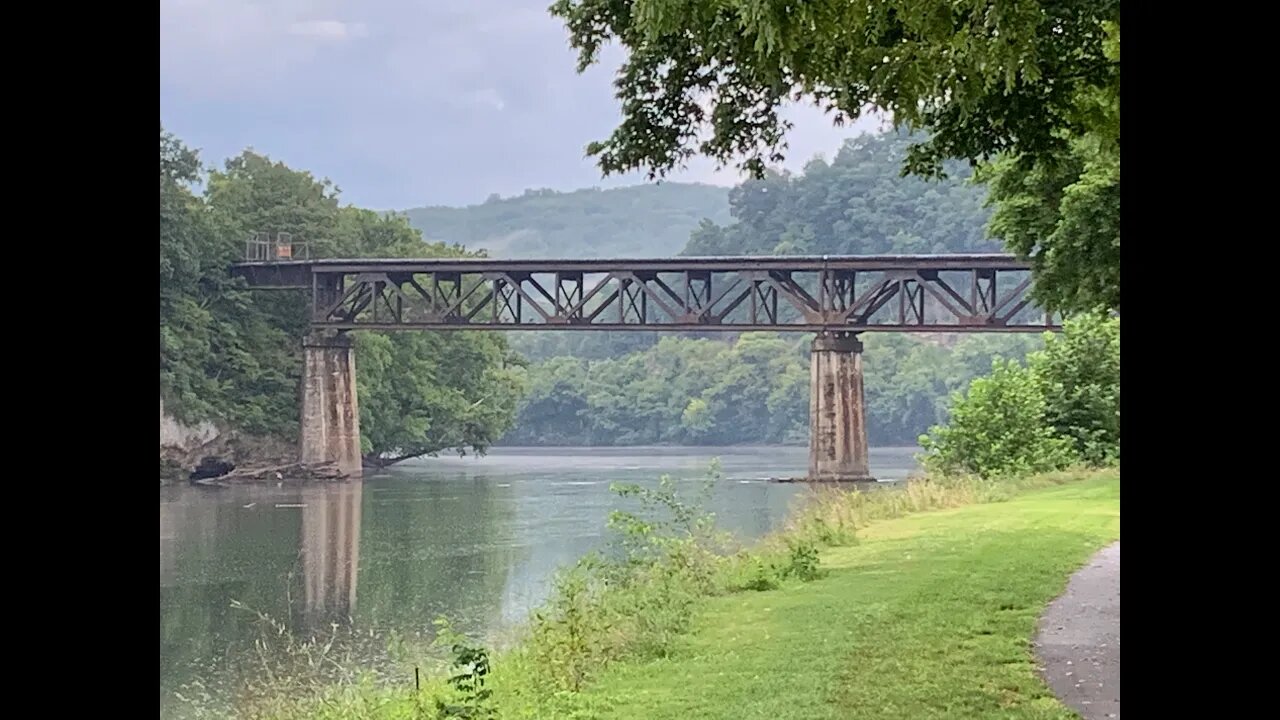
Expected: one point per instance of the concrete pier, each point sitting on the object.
(837, 416)
(329, 429)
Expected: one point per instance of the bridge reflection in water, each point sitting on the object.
(330, 551)
(207, 549)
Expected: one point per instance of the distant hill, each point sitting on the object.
(637, 221)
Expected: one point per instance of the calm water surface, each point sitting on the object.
(475, 539)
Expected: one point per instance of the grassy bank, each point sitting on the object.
(914, 602)
(929, 616)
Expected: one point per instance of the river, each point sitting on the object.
(473, 539)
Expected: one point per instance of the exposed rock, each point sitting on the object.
(183, 446)
(212, 456)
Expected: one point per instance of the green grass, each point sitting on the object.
(930, 615)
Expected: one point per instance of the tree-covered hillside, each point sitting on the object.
(754, 389)
(643, 220)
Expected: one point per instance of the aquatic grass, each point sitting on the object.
(330, 666)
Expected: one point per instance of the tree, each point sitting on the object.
(986, 78)
(696, 419)
(754, 389)
(421, 393)
(998, 428)
(1034, 81)
(222, 356)
(1063, 210)
(856, 204)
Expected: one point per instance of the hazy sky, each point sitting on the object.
(404, 103)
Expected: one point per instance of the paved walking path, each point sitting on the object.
(1078, 643)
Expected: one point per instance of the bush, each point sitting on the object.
(470, 699)
(998, 428)
(1079, 372)
(1061, 409)
(636, 598)
(803, 561)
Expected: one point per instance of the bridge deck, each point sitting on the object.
(903, 293)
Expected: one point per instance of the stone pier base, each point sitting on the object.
(837, 417)
(330, 416)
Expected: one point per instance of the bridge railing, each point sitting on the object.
(282, 247)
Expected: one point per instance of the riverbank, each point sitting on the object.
(926, 615)
(929, 616)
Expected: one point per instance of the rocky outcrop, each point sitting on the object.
(178, 436)
(183, 447)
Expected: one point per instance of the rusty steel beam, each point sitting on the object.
(899, 293)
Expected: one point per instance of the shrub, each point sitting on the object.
(998, 428)
(1062, 408)
(1079, 373)
(803, 561)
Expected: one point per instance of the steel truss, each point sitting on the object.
(931, 293)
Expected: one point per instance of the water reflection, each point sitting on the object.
(436, 548)
(476, 540)
(330, 554)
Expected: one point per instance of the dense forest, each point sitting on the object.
(643, 220)
(640, 388)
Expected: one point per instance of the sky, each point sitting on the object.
(404, 103)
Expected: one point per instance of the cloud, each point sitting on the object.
(231, 49)
(487, 97)
(403, 102)
(328, 29)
